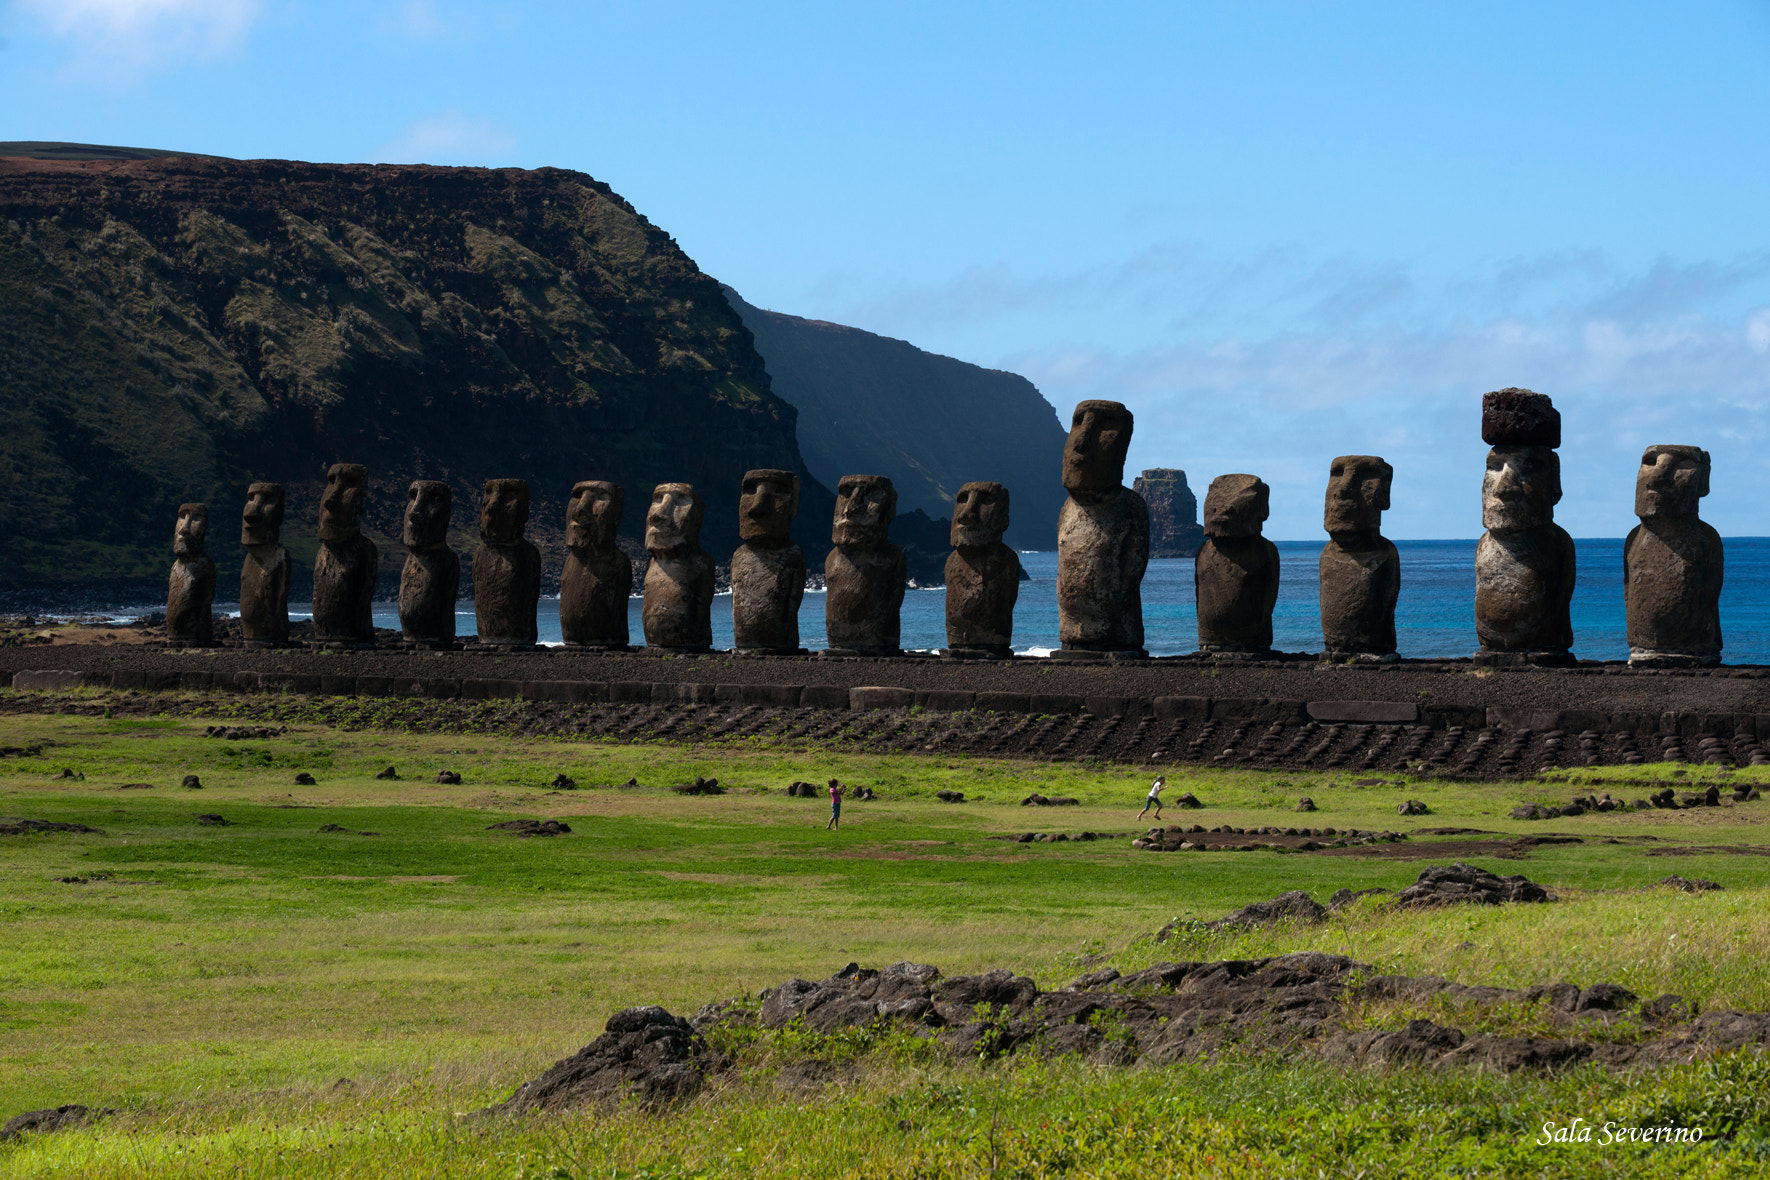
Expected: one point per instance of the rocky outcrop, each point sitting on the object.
(1174, 530)
(870, 404)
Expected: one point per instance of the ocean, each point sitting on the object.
(1434, 617)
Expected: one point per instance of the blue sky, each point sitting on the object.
(1279, 231)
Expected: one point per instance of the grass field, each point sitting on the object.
(263, 998)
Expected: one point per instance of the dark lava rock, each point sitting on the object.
(66, 773)
(1689, 884)
(1345, 897)
(22, 827)
(1305, 804)
(532, 827)
(564, 782)
(191, 782)
(447, 776)
(304, 779)
(950, 796)
(42, 1122)
(646, 1055)
(1037, 800)
(1188, 801)
(700, 786)
(1294, 906)
(210, 820)
(1519, 418)
(1412, 807)
(387, 773)
(1459, 883)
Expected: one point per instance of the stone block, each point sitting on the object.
(374, 686)
(48, 680)
(267, 681)
(1120, 706)
(770, 696)
(245, 682)
(1258, 709)
(823, 696)
(729, 694)
(1183, 708)
(1447, 716)
(946, 700)
(692, 694)
(876, 697)
(1516, 719)
(338, 686)
(1365, 712)
(474, 688)
(504, 690)
(1054, 703)
(630, 692)
(1003, 702)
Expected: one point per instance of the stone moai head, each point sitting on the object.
(347, 489)
(1094, 456)
(1357, 494)
(192, 530)
(261, 521)
(428, 505)
(1521, 488)
(504, 511)
(594, 516)
(1671, 481)
(865, 508)
(980, 515)
(1236, 506)
(767, 506)
(674, 519)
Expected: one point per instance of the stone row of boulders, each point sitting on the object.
(1037, 800)
(242, 733)
(1666, 798)
(1171, 1012)
(1178, 839)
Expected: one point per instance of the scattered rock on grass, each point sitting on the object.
(700, 786)
(42, 1122)
(1188, 801)
(448, 777)
(1689, 884)
(1305, 804)
(191, 782)
(304, 779)
(386, 773)
(1412, 807)
(1345, 897)
(24, 827)
(799, 790)
(67, 773)
(646, 1056)
(950, 796)
(532, 827)
(210, 820)
(1460, 883)
(1294, 906)
(1037, 800)
(564, 782)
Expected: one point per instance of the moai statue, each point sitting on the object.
(678, 608)
(264, 576)
(982, 576)
(598, 577)
(1102, 538)
(431, 579)
(191, 590)
(344, 572)
(506, 568)
(1235, 572)
(768, 570)
(864, 574)
(1524, 563)
(1672, 564)
(1360, 570)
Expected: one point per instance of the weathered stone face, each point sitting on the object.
(1094, 456)
(980, 515)
(982, 575)
(1521, 488)
(429, 504)
(504, 511)
(1671, 481)
(261, 521)
(674, 519)
(1236, 506)
(192, 530)
(1357, 494)
(593, 517)
(865, 507)
(347, 490)
(767, 506)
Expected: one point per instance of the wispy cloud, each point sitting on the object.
(1275, 363)
(122, 38)
(449, 138)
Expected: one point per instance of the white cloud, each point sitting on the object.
(133, 35)
(449, 138)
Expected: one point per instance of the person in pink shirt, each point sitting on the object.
(836, 792)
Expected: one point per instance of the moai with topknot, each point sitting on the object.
(431, 579)
(344, 572)
(1360, 569)
(190, 591)
(768, 570)
(598, 577)
(1524, 563)
(865, 574)
(1672, 564)
(506, 568)
(678, 607)
(982, 576)
(265, 574)
(1102, 538)
(1235, 572)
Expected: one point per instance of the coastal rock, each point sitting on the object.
(1174, 530)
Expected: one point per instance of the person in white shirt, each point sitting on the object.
(1155, 796)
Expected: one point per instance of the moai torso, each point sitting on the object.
(1673, 563)
(506, 568)
(1235, 572)
(598, 578)
(768, 570)
(1360, 569)
(679, 580)
(430, 581)
(1102, 536)
(344, 571)
(1524, 563)
(982, 574)
(865, 574)
(266, 572)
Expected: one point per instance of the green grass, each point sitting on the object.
(220, 980)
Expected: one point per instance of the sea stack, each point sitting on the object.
(1174, 530)
(1524, 563)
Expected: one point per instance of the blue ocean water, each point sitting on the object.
(1433, 618)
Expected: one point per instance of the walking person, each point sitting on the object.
(837, 790)
(1155, 797)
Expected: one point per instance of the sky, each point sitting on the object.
(1279, 232)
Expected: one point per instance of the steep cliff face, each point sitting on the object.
(1174, 530)
(873, 405)
(173, 328)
